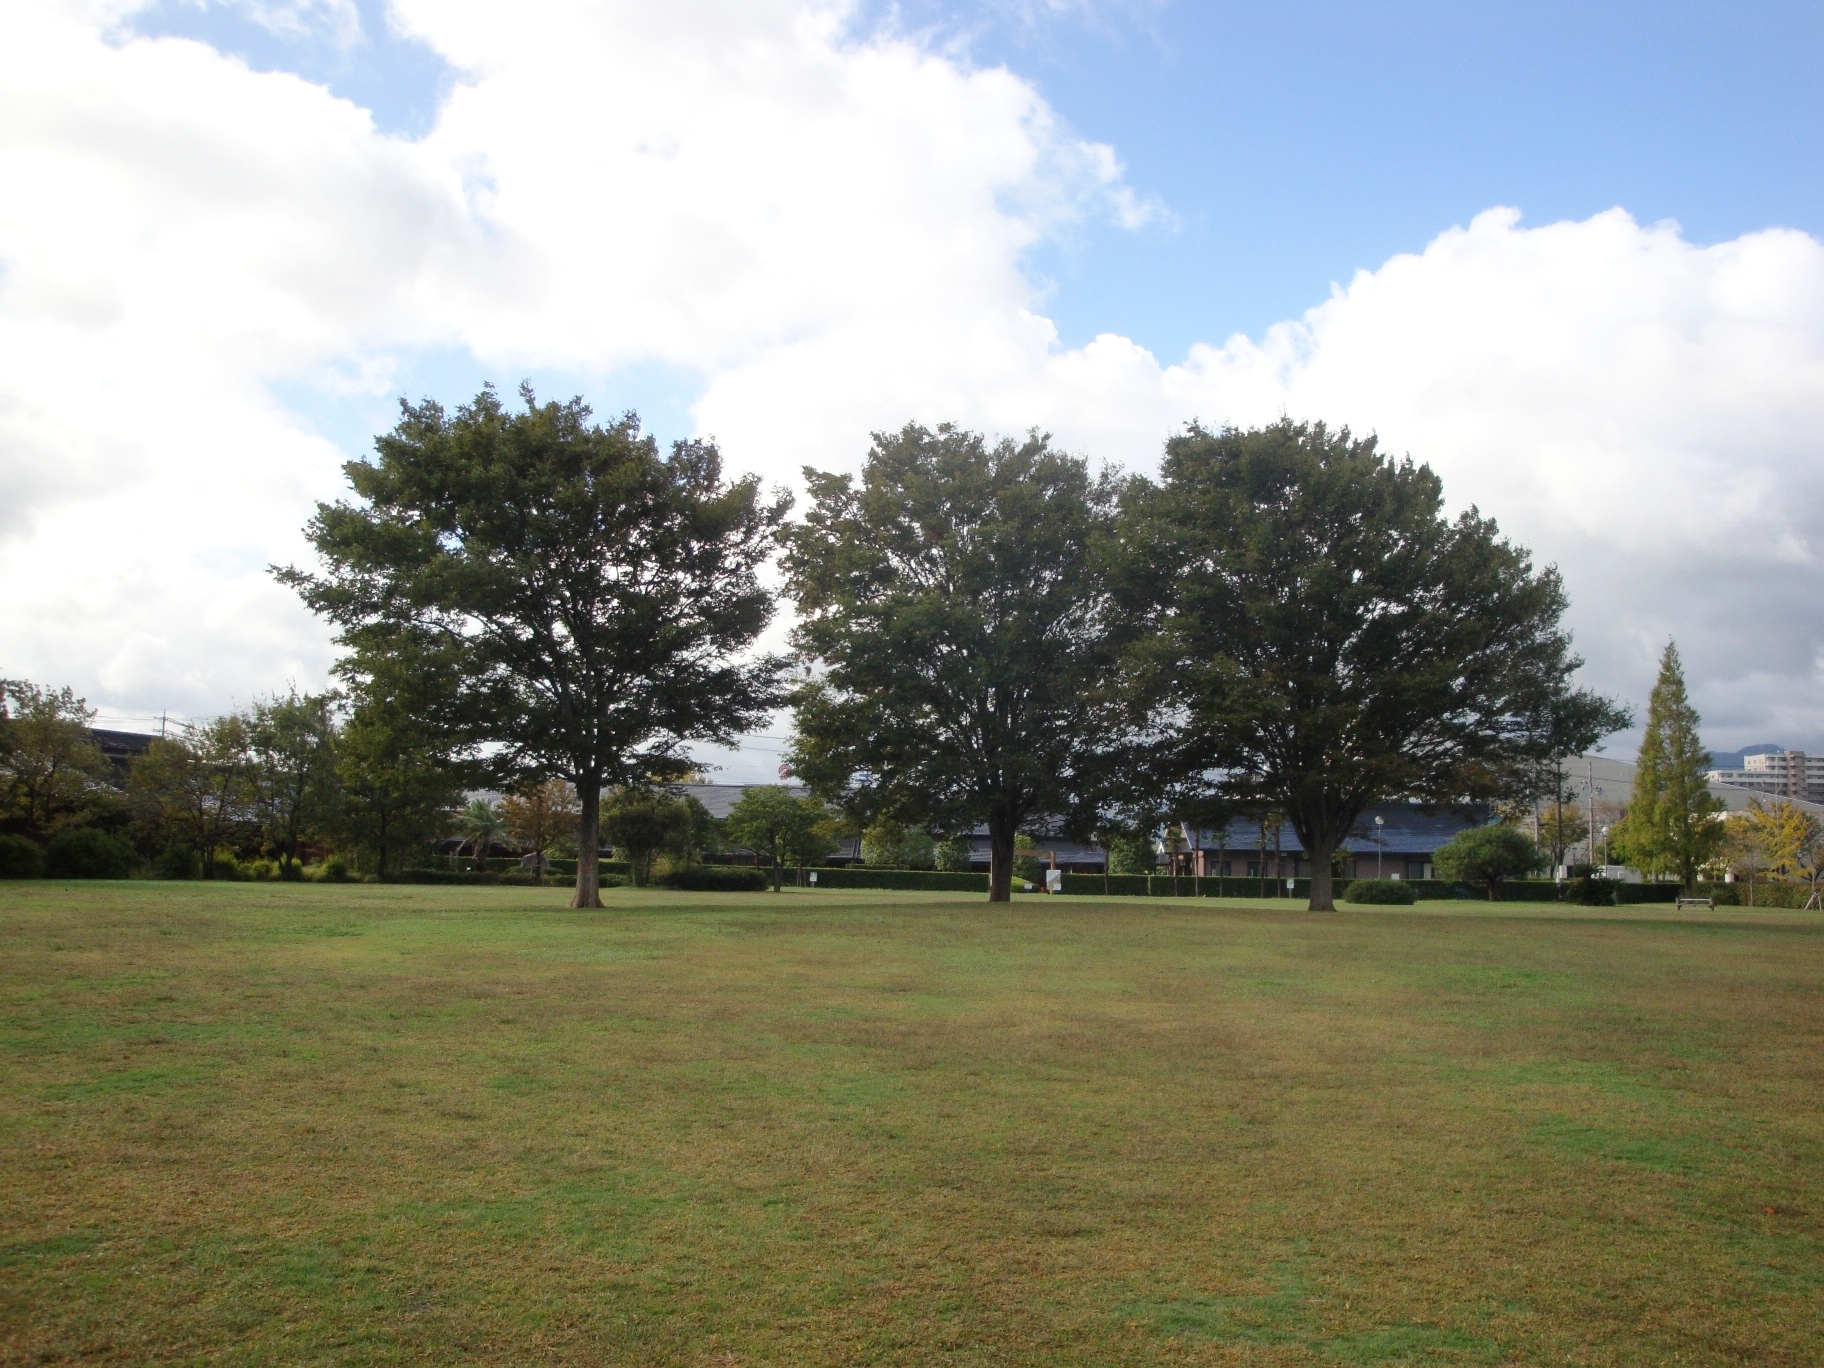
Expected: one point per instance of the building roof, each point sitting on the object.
(1407, 829)
(720, 799)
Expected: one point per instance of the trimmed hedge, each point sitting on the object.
(1380, 893)
(929, 880)
(566, 869)
(716, 879)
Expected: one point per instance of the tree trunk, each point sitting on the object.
(1323, 898)
(778, 868)
(588, 844)
(1001, 832)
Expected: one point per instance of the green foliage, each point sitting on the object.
(293, 776)
(953, 855)
(642, 824)
(86, 853)
(1131, 854)
(1671, 826)
(783, 829)
(481, 825)
(928, 880)
(594, 600)
(51, 772)
(334, 870)
(1328, 638)
(1486, 855)
(715, 879)
(1380, 892)
(1026, 866)
(20, 857)
(197, 789)
(954, 610)
(887, 844)
(881, 844)
(399, 770)
(177, 862)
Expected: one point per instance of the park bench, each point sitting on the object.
(1698, 902)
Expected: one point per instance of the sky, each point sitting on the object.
(1569, 255)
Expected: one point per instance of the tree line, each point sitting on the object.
(985, 633)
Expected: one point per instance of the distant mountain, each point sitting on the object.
(1736, 758)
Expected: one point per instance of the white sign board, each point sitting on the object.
(1054, 881)
(813, 878)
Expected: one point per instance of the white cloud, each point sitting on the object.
(829, 228)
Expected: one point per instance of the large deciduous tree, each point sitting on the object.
(197, 789)
(52, 774)
(293, 740)
(1326, 638)
(591, 595)
(954, 626)
(1671, 826)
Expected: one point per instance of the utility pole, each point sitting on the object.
(1590, 808)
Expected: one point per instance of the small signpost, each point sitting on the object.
(1054, 881)
(813, 878)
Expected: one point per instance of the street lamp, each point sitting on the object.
(1380, 849)
(1605, 847)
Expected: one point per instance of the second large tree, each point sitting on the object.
(955, 626)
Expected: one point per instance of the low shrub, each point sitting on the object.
(224, 867)
(1380, 893)
(20, 857)
(261, 871)
(177, 862)
(85, 853)
(335, 870)
(713, 879)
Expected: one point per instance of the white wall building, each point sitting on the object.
(1782, 774)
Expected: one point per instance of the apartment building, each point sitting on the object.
(1781, 774)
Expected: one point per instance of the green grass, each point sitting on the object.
(281, 1124)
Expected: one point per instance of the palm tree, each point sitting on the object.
(481, 823)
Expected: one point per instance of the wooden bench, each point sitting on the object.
(1698, 902)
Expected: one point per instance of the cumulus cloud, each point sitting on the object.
(827, 222)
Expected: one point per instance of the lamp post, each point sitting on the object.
(1605, 847)
(1380, 847)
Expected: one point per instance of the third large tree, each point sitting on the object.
(1326, 637)
(956, 627)
(587, 599)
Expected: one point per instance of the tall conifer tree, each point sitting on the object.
(1671, 826)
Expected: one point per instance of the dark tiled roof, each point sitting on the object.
(121, 743)
(1408, 830)
(719, 799)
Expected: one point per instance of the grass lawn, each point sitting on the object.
(275, 1124)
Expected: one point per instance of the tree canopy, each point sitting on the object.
(590, 598)
(788, 830)
(955, 630)
(1671, 825)
(1325, 637)
(1486, 855)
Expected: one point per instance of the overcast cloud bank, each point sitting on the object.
(830, 229)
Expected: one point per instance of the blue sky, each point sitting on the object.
(745, 218)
